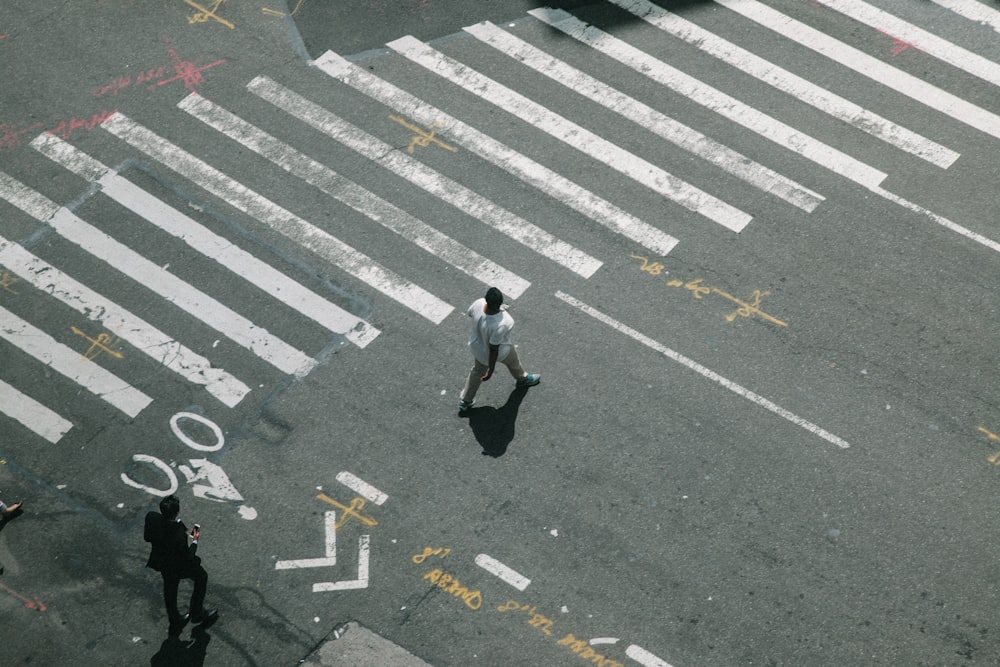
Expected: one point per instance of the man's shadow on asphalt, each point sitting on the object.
(176, 652)
(494, 427)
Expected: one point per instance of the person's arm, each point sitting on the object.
(494, 353)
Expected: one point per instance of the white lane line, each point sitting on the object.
(698, 368)
(681, 135)
(531, 172)
(939, 219)
(361, 487)
(349, 193)
(792, 84)
(715, 100)
(644, 657)
(585, 141)
(364, 551)
(140, 334)
(419, 174)
(32, 415)
(942, 49)
(330, 545)
(974, 11)
(872, 68)
(181, 294)
(71, 364)
(504, 573)
(268, 213)
(261, 274)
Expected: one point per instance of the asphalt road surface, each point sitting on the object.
(751, 248)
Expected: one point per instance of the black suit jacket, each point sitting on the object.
(171, 553)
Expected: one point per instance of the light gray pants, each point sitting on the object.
(512, 363)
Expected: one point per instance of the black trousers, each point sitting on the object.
(172, 580)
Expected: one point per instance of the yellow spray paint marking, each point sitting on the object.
(995, 459)
(99, 345)
(745, 308)
(6, 280)
(274, 12)
(204, 13)
(348, 511)
(422, 137)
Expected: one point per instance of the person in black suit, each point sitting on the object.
(175, 558)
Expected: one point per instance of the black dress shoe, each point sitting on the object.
(177, 626)
(206, 616)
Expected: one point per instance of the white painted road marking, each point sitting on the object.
(32, 415)
(504, 573)
(698, 368)
(261, 274)
(785, 81)
(330, 544)
(711, 98)
(361, 487)
(585, 141)
(70, 363)
(351, 194)
(137, 332)
(677, 133)
(872, 68)
(268, 213)
(355, 584)
(520, 166)
(419, 174)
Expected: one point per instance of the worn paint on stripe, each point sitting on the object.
(602, 150)
(268, 213)
(428, 179)
(68, 362)
(520, 166)
(792, 84)
(504, 573)
(361, 487)
(698, 368)
(349, 193)
(688, 138)
(872, 68)
(928, 42)
(974, 11)
(32, 415)
(263, 276)
(143, 336)
(725, 105)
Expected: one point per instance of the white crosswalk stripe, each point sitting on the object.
(872, 68)
(233, 258)
(537, 175)
(66, 361)
(927, 42)
(716, 100)
(792, 84)
(143, 336)
(32, 415)
(443, 187)
(974, 11)
(281, 220)
(687, 138)
(642, 171)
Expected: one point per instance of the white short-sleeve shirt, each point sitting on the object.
(489, 330)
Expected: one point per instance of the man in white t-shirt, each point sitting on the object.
(490, 342)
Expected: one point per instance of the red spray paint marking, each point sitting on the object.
(122, 82)
(10, 136)
(186, 70)
(65, 129)
(900, 45)
(34, 603)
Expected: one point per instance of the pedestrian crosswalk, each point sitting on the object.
(566, 136)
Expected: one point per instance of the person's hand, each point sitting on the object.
(195, 533)
(487, 376)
